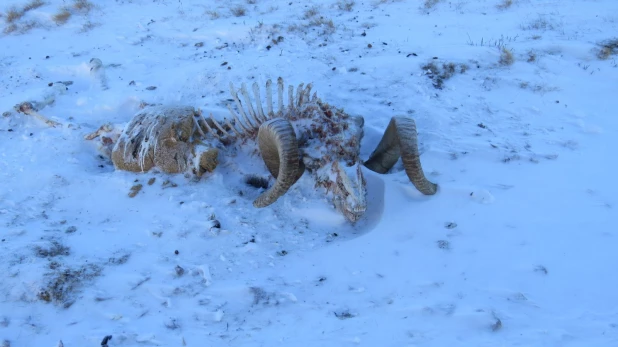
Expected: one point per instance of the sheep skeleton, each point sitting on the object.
(305, 134)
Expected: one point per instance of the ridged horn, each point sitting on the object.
(279, 150)
(400, 140)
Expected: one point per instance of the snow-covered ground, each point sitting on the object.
(518, 247)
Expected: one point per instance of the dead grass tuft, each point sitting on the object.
(32, 5)
(314, 21)
(430, 3)
(504, 4)
(293, 27)
(311, 12)
(88, 26)
(326, 24)
(506, 57)
(13, 15)
(65, 283)
(346, 5)
(213, 15)
(29, 25)
(604, 53)
(54, 249)
(531, 56)
(11, 28)
(543, 23)
(238, 11)
(440, 73)
(82, 5)
(607, 49)
(62, 17)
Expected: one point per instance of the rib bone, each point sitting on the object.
(269, 98)
(250, 126)
(211, 130)
(245, 94)
(299, 95)
(244, 128)
(258, 101)
(280, 96)
(219, 126)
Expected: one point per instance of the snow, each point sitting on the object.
(517, 248)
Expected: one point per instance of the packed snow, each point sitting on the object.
(515, 103)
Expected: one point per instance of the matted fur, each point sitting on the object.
(159, 136)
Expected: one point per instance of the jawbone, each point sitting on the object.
(349, 190)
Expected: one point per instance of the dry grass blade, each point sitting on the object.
(506, 57)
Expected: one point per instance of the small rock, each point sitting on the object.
(542, 269)
(106, 340)
(119, 261)
(497, 325)
(344, 315)
(443, 244)
(179, 271)
(4, 322)
(168, 184)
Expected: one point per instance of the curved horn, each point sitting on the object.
(279, 149)
(400, 140)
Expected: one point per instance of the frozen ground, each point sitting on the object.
(518, 248)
